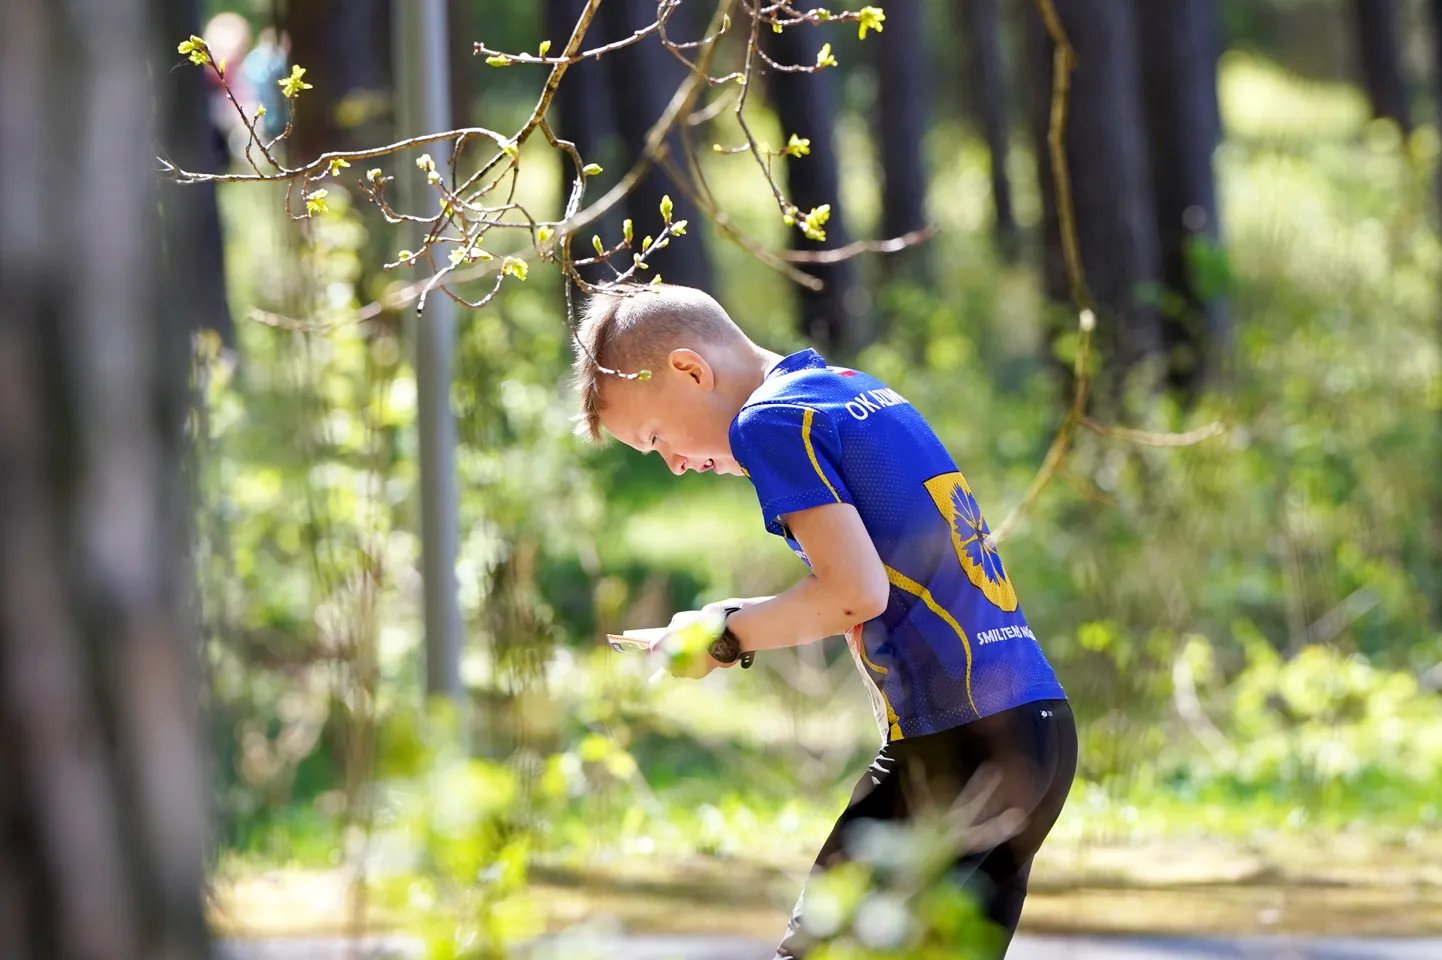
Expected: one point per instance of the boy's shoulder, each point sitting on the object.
(806, 380)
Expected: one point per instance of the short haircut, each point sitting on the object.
(633, 329)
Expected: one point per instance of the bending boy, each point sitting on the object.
(849, 473)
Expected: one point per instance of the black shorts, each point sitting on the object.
(1020, 760)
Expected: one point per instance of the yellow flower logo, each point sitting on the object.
(971, 538)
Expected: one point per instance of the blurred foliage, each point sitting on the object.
(1248, 627)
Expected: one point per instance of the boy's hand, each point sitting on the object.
(685, 649)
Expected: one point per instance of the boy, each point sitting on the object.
(848, 472)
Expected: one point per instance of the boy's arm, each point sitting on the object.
(847, 585)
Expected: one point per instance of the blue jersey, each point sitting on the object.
(952, 645)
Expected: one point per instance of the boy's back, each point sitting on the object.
(952, 645)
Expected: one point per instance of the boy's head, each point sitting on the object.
(702, 370)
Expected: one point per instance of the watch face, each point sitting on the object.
(726, 649)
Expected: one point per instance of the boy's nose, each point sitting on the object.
(676, 462)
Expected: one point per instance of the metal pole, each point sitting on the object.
(423, 75)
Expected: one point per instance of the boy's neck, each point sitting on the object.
(757, 363)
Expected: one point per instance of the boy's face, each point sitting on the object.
(678, 413)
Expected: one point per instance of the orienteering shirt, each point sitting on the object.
(952, 645)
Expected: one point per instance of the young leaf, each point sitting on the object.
(543, 234)
(292, 85)
(514, 267)
(666, 208)
(824, 57)
(870, 19)
(626, 229)
(600, 247)
(591, 169)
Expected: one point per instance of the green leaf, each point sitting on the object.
(515, 267)
(646, 244)
(666, 208)
(679, 228)
(543, 234)
(626, 229)
(600, 247)
(196, 49)
(656, 280)
(591, 169)
(374, 173)
(870, 19)
(337, 165)
(824, 57)
(499, 61)
(315, 202)
(545, 47)
(292, 85)
(797, 146)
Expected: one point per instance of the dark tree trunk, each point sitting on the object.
(1436, 533)
(1379, 52)
(805, 105)
(643, 78)
(986, 75)
(1178, 43)
(102, 810)
(466, 67)
(1110, 175)
(345, 47)
(583, 115)
(192, 141)
(903, 87)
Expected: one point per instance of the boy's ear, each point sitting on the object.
(693, 366)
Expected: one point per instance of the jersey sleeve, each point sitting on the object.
(791, 454)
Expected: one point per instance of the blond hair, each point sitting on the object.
(633, 329)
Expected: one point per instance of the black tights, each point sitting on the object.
(1029, 751)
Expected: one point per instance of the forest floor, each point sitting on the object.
(1172, 889)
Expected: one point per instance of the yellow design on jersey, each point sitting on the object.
(971, 538)
(901, 580)
(806, 419)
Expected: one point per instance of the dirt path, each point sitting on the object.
(733, 948)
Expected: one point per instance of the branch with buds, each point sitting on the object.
(468, 218)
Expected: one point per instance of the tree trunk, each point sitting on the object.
(1110, 175)
(643, 78)
(805, 105)
(102, 813)
(986, 72)
(583, 116)
(903, 86)
(344, 46)
(1379, 52)
(1436, 587)
(1178, 42)
(191, 140)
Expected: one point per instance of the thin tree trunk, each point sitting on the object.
(986, 72)
(643, 78)
(1179, 50)
(1379, 52)
(903, 86)
(805, 105)
(102, 813)
(1106, 153)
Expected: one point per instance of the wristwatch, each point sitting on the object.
(727, 647)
